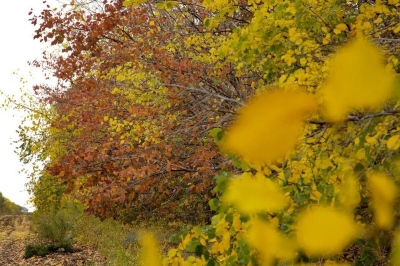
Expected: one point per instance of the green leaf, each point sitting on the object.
(207, 23)
(174, 238)
(229, 217)
(170, 4)
(160, 5)
(216, 133)
(285, 228)
(324, 200)
(211, 263)
(321, 188)
(330, 190)
(191, 246)
(300, 198)
(201, 250)
(184, 232)
(214, 204)
(209, 232)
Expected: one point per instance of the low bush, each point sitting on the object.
(43, 249)
(56, 225)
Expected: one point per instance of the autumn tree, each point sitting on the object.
(135, 105)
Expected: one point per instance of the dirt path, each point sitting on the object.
(15, 234)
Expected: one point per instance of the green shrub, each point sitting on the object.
(43, 250)
(51, 226)
(30, 251)
(56, 225)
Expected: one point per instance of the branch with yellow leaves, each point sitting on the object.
(354, 118)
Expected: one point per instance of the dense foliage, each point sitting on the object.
(147, 95)
(7, 205)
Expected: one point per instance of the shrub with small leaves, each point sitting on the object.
(44, 249)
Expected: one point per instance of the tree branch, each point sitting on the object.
(358, 117)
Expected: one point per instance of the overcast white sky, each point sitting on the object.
(17, 47)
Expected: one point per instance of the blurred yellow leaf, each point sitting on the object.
(341, 26)
(172, 252)
(325, 231)
(268, 128)
(349, 195)
(325, 164)
(270, 243)
(236, 224)
(357, 79)
(384, 193)
(393, 142)
(360, 155)
(150, 253)
(252, 194)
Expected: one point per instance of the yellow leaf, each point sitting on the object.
(236, 224)
(203, 242)
(150, 253)
(303, 61)
(221, 227)
(326, 163)
(337, 31)
(378, 20)
(360, 155)
(275, 222)
(393, 142)
(270, 243)
(172, 252)
(268, 128)
(325, 231)
(357, 79)
(349, 195)
(226, 241)
(384, 194)
(121, 77)
(341, 27)
(253, 194)
(397, 29)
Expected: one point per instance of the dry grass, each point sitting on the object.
(22, 229)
